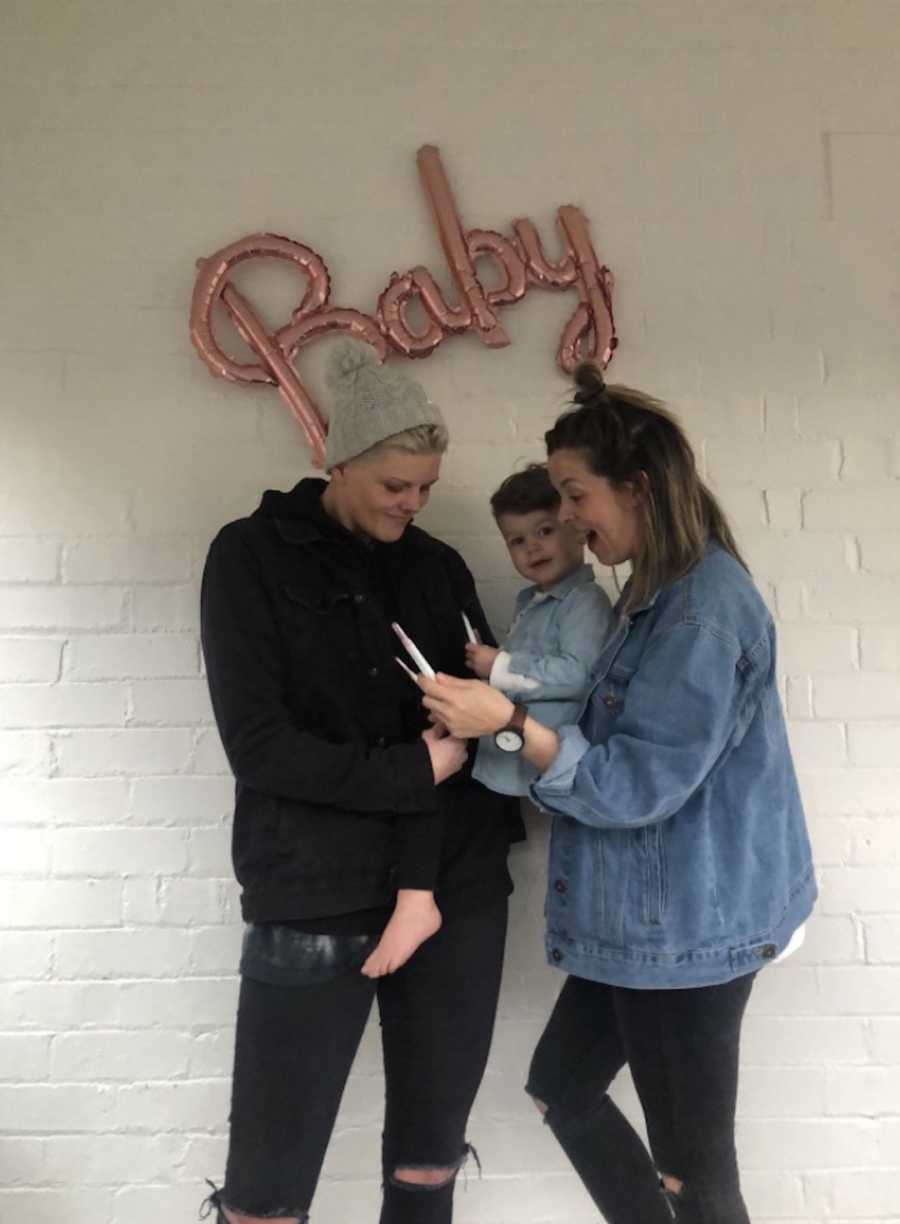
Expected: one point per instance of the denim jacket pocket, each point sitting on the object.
(590, 906)
(655, 879)
(614, 687)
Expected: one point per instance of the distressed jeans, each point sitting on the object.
(682, 1049)
(294, 1048)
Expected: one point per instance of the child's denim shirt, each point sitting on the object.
(552, 645)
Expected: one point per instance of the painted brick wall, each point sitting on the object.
(740, 164)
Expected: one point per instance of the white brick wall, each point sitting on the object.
(739, 164)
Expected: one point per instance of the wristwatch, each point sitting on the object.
(511, 738)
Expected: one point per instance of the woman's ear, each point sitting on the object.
(636, 491)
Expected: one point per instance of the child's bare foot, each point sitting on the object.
(415, 919)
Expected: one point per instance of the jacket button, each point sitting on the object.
(359, 599)
(374, 671)
(381, 742)
(766, 951)
(557, 955)
(560, 886)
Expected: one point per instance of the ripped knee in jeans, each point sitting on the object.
(430, 1177)
(414, 1177)
(232, 1215)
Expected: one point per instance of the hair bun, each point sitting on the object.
(590, 384)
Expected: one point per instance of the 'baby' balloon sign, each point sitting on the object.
(520, 263)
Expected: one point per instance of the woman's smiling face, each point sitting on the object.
(379, 494)
(608, 517)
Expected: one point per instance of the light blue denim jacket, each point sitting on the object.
(679, 853)
(555, 639)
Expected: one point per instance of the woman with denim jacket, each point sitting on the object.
(679, 857)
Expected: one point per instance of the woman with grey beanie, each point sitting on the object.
(347, 802)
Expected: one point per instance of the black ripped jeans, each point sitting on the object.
(294, 1048)
(682, 1049)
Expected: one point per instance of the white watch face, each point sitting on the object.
(509, 741)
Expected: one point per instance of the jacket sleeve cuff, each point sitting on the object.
(416, 789)
(504, 678)
(558, 779)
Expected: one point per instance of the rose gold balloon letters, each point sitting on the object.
(519, 260)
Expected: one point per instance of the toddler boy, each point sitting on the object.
(561, 622)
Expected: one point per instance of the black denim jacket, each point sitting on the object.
(320, 725)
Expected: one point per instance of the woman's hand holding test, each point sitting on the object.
(469, 708)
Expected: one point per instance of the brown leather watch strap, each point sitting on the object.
(517, 721)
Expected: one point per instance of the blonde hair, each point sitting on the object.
(629, 437)
(420, 440)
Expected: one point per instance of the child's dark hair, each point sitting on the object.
(525, 491)
(629, 437)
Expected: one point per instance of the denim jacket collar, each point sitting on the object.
(578, 576)
(644, 607)
(712, 547)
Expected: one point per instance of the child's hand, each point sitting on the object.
(480, 659)
(446, 753)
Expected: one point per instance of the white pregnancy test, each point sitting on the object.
(409, 671)
(414, 653)
(470, 632)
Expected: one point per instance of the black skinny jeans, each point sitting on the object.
(294, 1048)
(682, 1048)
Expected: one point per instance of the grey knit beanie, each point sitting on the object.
(370, 403)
